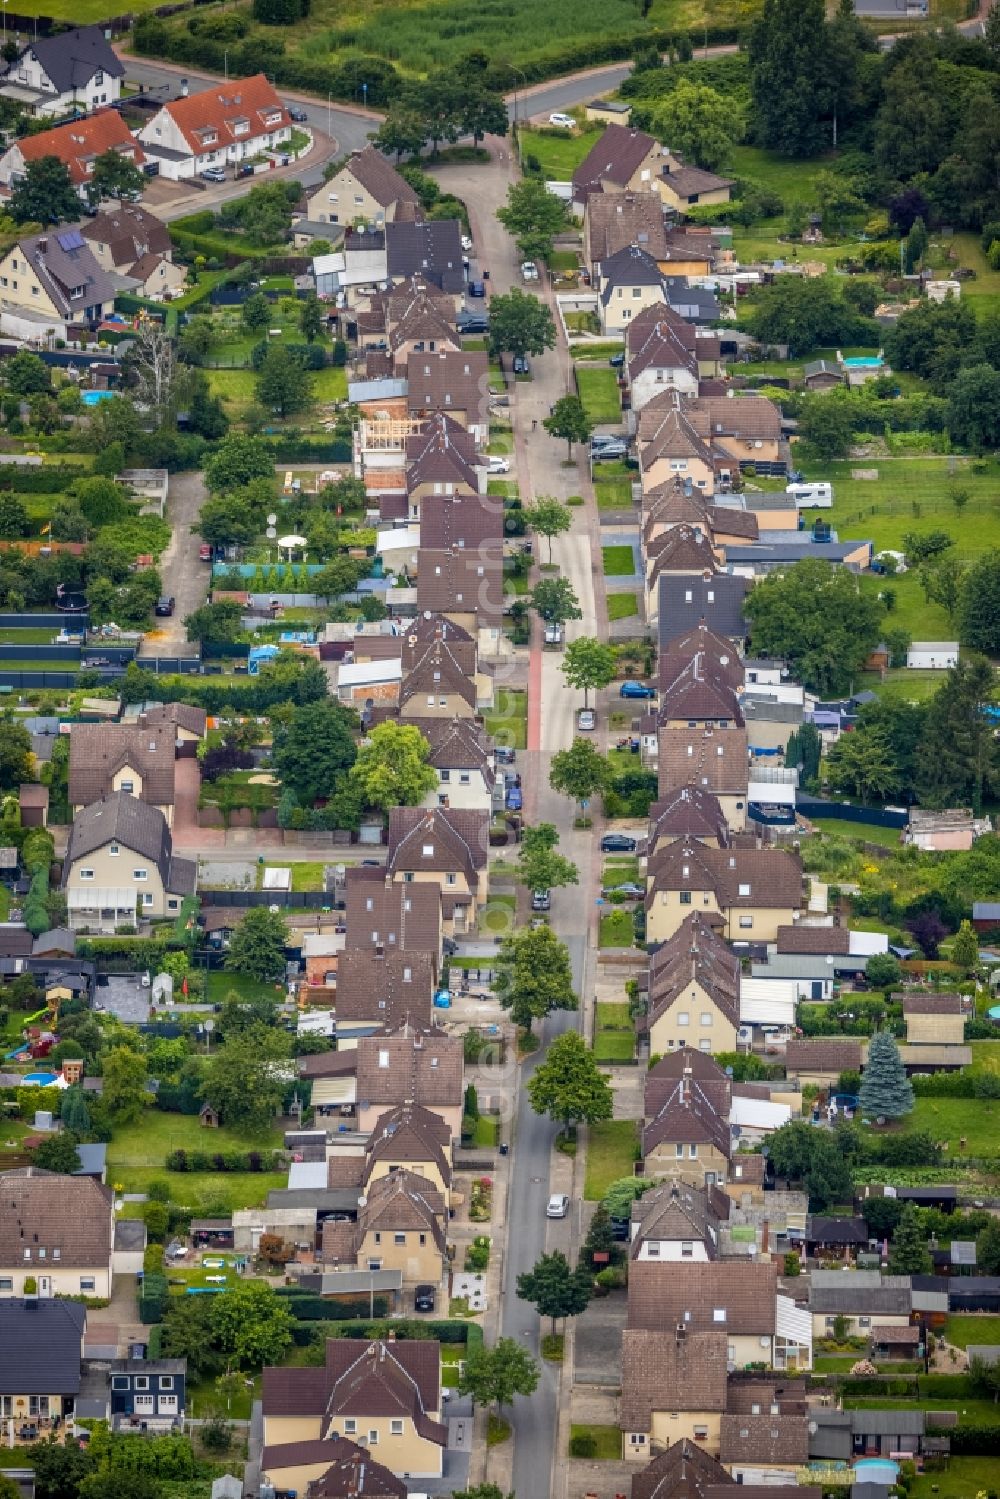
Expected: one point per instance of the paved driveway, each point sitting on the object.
(182, 574)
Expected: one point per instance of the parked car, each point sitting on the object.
(553, 634)
(558, 1205)
(514, 799)
(562, 122)
(505, 755)
(466, 242)
(213, 174)
(636, 689)
(165, 606)
(529, 270)
(617, 843)
(628, 890)
(477, 288)
(472, 322)
(245, 169)
(606, 451)
(617, 361)
(496, 465)
(424, 1299)
(521, 365)
(297, 113)
(586, 719)
(541, 900)
(205, 552)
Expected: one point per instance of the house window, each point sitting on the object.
(374, 1264)
(653, 1250)
(692, 1152)
(679, 1152)
(706, 1018)
(744, 889)
(687, 1249)
(700, 1433)
(87, 1284)
(746, 922)
(128, 787)
(719, 1314)
(377, 1237)
(864, 1321)
(396, 1428)
(683, 1017)
(119, 1381)
(140, 874)
(166, 1381)
(636, 1439)
(350, 1426)
(142, 1381)
(685, 897)
(147, 897)
(86, 874)
(6, 1283)
(373, 1438)
(399, 1238)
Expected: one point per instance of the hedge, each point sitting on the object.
(224, 1160)
(309, 1308)
(444, 1331)
(291, 449)
(957, 1084)
(976, 1440)
(48, 479)
(153, 1298)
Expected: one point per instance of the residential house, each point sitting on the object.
(42, 1343)
(401, 1225)
(56, 1235)
(53, 278)
(753, 891)
(436, 688)
(188, 723)
(219, 126)
(336, 1468)
(829, 1238)
(409, 1138)
(691, 301)
(775, 554)
(380, 988)
(678, 1224)
(683, 1471)
(622, 161)
(147, 1394)
(708, 1296)
(682, 187)
(693, 997)
(627, 282)
(460, 522)
(663, 352)
(432, 250)
(818, 1062)
(671, 448)
(934, 1019)
(367, 189)
(128, 240)
(687, 812)
(692, 251)
(381, 912)
(686, 1137)
(77, 145)
(455, 381)
(120, 865)
(863, 1298)
(687, 602)
(76, 70)
(466, 585)
(712, 759)
(106, 758)
(683, 551)
(388, 1393)
(842, 1436)
(427, 327)
(462, 755)
(422, 1065)
(673, 1389)
(446, 847)
(747, 1174)
(441, 459)
(613, 221)
(677, 650)
(745, 428)
(766, 1442)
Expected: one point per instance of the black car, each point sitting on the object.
(617, 843)
(165, 607)
(521, 366)
(298, 115)
(424, 1299)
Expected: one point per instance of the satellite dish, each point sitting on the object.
(271, 533)
(272, 519)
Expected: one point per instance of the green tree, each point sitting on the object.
(257, 947)
(555, 601)
(827, 425)
(283, 382)
(942, 579)
(44, 194)
(74, 1112)
(802, 311)
(312, 319)
(102, 501)
(124, 1094)
(403, 132)
(114, 176)
(988, 1249)
(243, 1080)
(886, 1091)
(533, 975)
(933, 339)
(538, 866)
(264, 215)
(225, 520)
(965, 948)
(58, 1153)
(956, 762)
(15, 755)
(908, 1253)
(883, 971)
(568, 419)
(548, 517)
(589, 663)
(26, 375)
(979, 605)
(698, 122)
(188, 1333)
(862, 764)
(251, 1325)
(256, 314)
(580, 771)
(554, 1289)
(499, 1373)
(520, 324)
(236, 461)
(818, 619)
(533, 216)
(240, 1012)
(836, 200)
(569, 1086)
(482, 111)
(314, 749)
(14, 522)
(974, 407)
(991, 29)
(391, 769)
(222, 621)
(790, 84)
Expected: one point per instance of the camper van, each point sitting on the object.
(811, 496)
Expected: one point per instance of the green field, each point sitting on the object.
(614, 1035)
(622, 605)
(561, 152)
(611, 1148)
(962, 1478)
(617, 929)
(619, 561)
(598, 389)
(972, 1329)
(840, 828)
(138, 1152)
(977, 1120)
(613, 494)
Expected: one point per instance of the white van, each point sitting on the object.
(811, 496)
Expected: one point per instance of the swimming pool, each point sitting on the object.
(39, 1079)
(864, 362)
(880, 1470)
(94, 397)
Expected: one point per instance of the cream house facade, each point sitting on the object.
(120, 865)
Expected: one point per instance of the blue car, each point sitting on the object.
(636, 689)
(514, 799)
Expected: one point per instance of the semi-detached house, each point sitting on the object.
(222, 125)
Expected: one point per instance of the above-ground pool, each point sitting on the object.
(864, 362)
(880, 1470)
(39, 1079)
(994, 1012)
(94, 397)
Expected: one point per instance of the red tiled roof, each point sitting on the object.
(222, 108)
(77, 145)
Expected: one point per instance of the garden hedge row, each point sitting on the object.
(224, 1160)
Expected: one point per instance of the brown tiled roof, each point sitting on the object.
(339, 1242)
(615, 220)
(689, 242)
(329, 1064)
(662, 1296)
(98, 751)
(450, 380)
(386, 988)
(684, 1471)
(682, 549)
(731, 520)
(410, 1133)
(435, 674)
(694, 955)
(688, 1115)
(381, 1378)
(714, 759)
(765, 1439)
(818, 940)
(659, 338)
(352, 1473)
(379, 178)
(672, 503)
(671, 1373)
(789, 1395)
(748, 1167)
(442, 452)
(747, 416)
(457, 744)
(698, 690)
(687, 812)
(222, 108)
(726, 662)
(178, 715)
(883, 1334)
(823, 1055)
(403, 1202)
(32, 794)
(446, 839)
(428, 320)
(130, 232)
(933, 1004)
(616, 157)
(78, 144)
(449, 521)
(679, 1212)
(136, 826)
(462, 581)
(293, 1392)
(774, 876)
(666, 430)
(381, 912)
(345, 1171)
(429, 626)
(689, 181)
(66, 1215)
(422, 1065)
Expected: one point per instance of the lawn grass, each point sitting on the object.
(221, 982)
(508, 722)
(622, 605)
(614, 1037)
(607, 1441)
(597, 350)
(961, 1479)
(138, 1152)
(617, 929)
(898, 684)
(559, 154)
(237, 389)
(985, 1058)
(598, 390)
(619, 561)
(613, 494)
(487, 1132)
(971, 1412)
(611, 1148)
(977, 1120)
(972, 1329)
(329, 384)
(618, 868)
(307, 874)
(889, 837)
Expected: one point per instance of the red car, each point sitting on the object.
(205, 552)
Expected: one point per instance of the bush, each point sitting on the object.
(980, 1440)
(582, 1444)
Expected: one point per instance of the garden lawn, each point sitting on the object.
(972, 1329)
(622, 605)
(614, 1038)
(329, 384)
(985, 1058)
(900, 684)
(561, 152)
(842, 829)
(619, 562)
(611, 1148)
(137, 1155)
(221, 982)
(963, 1477)
(617, 928)
(307, 874)
(613, 494)
(977, 1120)
(508, 722)
(607, 1441)
(598, 389)
(597, 350)
(236, 388)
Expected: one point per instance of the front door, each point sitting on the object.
(44, 1285)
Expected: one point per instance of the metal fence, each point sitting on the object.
(311, 900)
(876, 817)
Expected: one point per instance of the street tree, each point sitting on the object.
(403, 132)
(697, 122)
(886, 1091)
(497, 1374)
(568, 419)
(548, 517)
(482, 111)
(312, 319)
(124, 1093)
(569, 1086)
(533, 216)
(244, 1080)
(283, 382)
(236, 461)
(818, 619)
(114, 176)
(392, 769)
(908, 1252)
(315, 748)
(533, 975)
(555, 601)
(589, 663)
(520, 324)
(580, 771)
(252, 1326)
(257, 946)
(44, 194)
(965, 948)
(539, 866)
(554, 1289)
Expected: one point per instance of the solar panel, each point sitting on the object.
(71, 240)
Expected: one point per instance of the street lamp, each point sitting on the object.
(329, 113)
(364, 90)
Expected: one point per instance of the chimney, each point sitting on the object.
(764, 1241)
